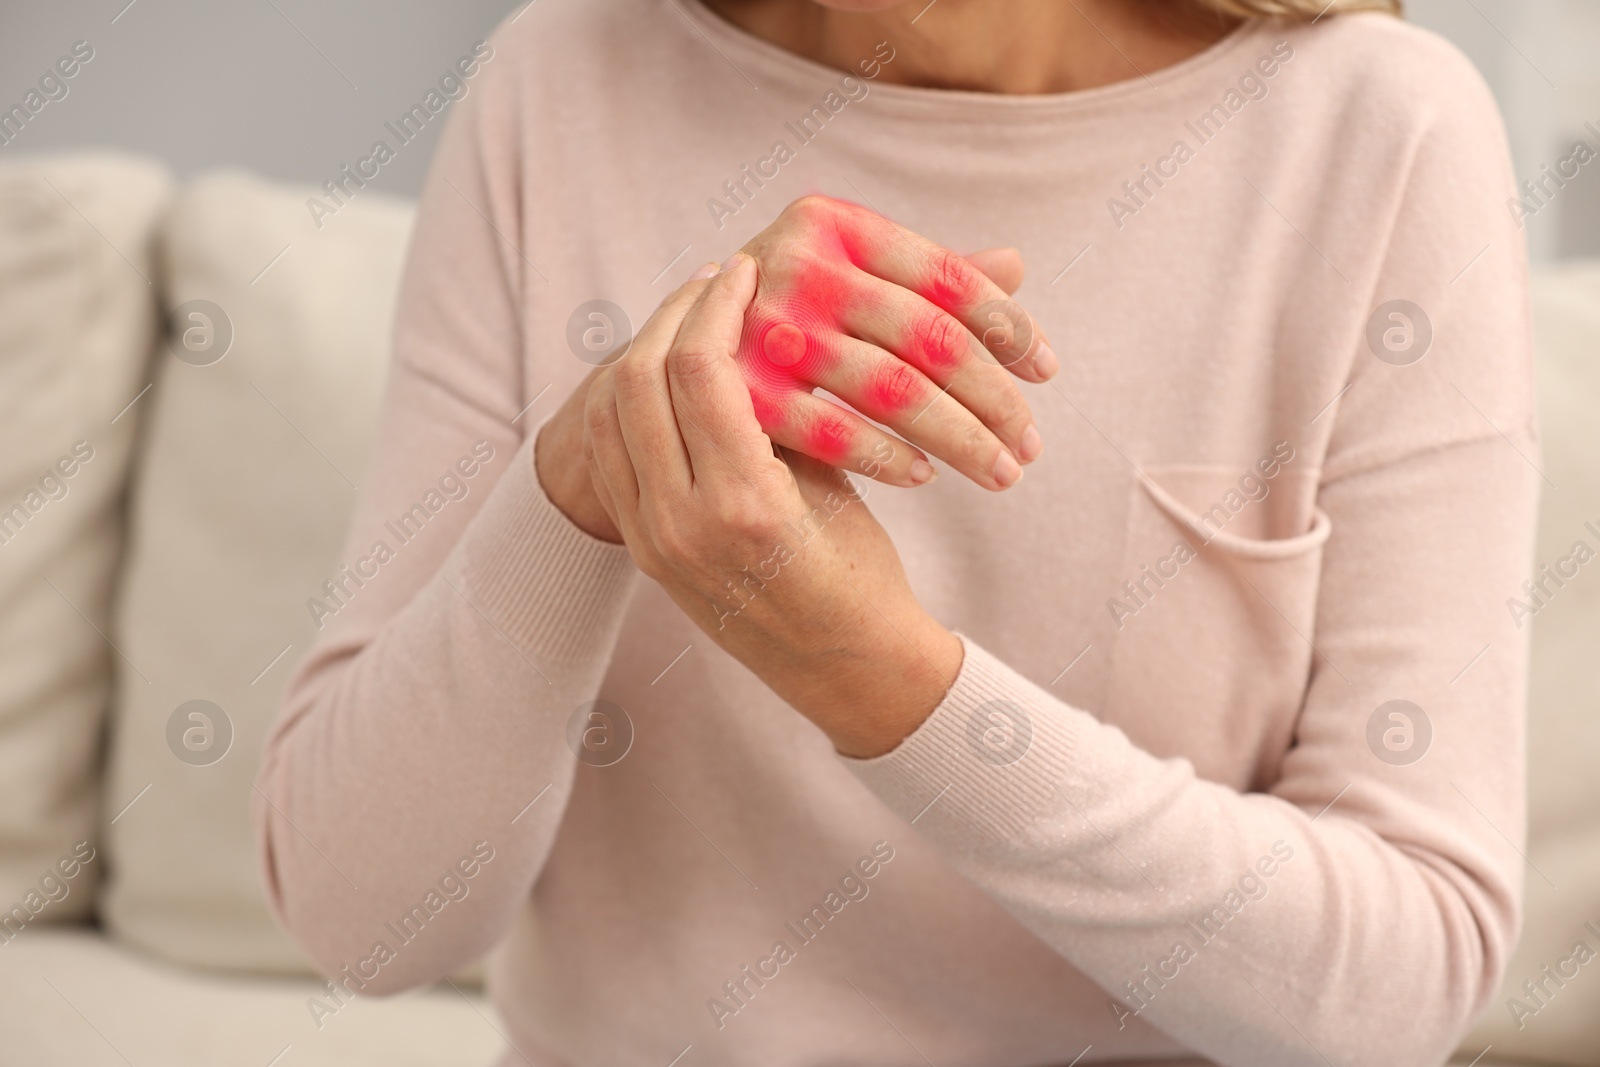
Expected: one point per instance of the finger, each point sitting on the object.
(816, 479)
(643, 399)
(610, 467)
(891, 391)
(941, 277)
(1003, 266)
(714, 411)
(830, 434)
(933, 342)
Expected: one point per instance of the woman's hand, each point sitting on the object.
(776, 558)
(908, 333)
(565, 477)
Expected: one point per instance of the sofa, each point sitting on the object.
(191, 376)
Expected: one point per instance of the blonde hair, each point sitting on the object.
(1298, 9)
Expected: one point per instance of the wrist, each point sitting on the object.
(883, 691)
(559, 466)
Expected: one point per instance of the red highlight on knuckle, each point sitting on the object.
(787, 342)
(895, 387)
(828, 438)
(784, 344)
(938, 345)
(952, 282)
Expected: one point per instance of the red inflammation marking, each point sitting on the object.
(953, 284)
(790, 341)
(829, 438)
(861, 233)
(938, 344)
(794, 328)
(784, 345)
(893, 388)
(769, 412)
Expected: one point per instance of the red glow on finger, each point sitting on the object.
(791, 337)
(828, 438)
(953, 283)
(769, 411)
(938, 345)
(795, 331)
(894, 388)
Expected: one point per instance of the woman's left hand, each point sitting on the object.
(774, 555)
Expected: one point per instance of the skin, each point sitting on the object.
(704, 449)
(849, 302)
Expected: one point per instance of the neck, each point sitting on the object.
(1017, 47)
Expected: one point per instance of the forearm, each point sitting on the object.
(395, 757)
(1116, 859)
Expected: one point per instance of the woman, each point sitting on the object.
(1199, 743)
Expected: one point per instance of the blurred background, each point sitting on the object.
(289, 88)
(165, 512)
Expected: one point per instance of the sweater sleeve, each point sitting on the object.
(421, 760)
(1361, 908)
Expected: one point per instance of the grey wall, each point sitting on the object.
(1540, 58)
(295, 88)
(291, 89)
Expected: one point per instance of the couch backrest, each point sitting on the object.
(77, 318)
(257, 434)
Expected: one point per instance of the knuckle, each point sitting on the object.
(813, 207)
(1015, 415)
(830, 437)
(896, 386)
(954, 281)
(943, 341)
(631, 380)
(743, 516)
(674, 540)
(976, 445)
(695, 360)
(597, 416)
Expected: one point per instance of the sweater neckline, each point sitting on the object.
(740, 47)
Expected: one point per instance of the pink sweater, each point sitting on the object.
(1166, 814)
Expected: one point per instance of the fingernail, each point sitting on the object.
(1045, 361)
(922, 472)
(732, 261)
(1032, 445)
(710, 270)
(1007, 471)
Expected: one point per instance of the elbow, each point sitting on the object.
(304, 902)
(363, 945)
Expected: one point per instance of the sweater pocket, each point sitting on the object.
(1213, 616)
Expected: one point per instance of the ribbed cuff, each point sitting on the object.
(980, 768)
(552, 588)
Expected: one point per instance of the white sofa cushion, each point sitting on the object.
(71, 997)
(77, 319)
(240, 499)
